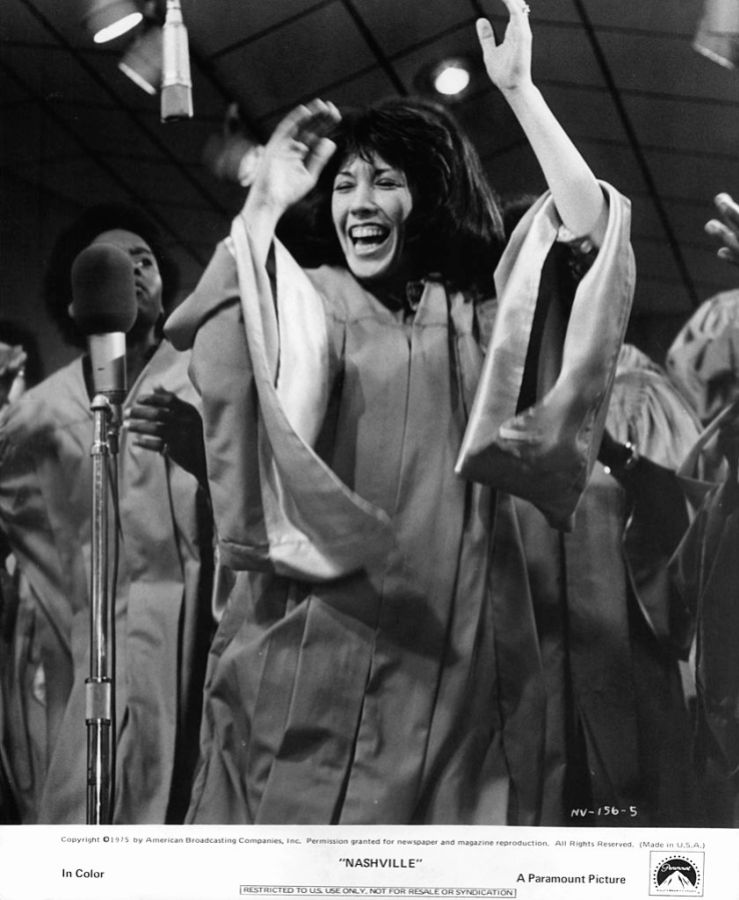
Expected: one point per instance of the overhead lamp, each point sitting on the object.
(717, 37)
(109, 19)
(142, 62)
(451, 77)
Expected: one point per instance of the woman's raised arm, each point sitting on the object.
(577, 195)
(288, 169)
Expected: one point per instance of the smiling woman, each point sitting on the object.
(403, 168)
(373, 664)
(371, 204)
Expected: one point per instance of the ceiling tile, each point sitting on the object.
(655, 17)
(397, 26)
(54, 75)
(692, 125)
(689, 175)
(668, 66)
(294, 61)
(19, 24)
(359, 90)
(216, 24)
(34, 141)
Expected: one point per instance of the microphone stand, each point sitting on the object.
(100, 686)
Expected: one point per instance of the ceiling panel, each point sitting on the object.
(23, 22)
(687, 125)
(666, 65)
(217, 25)
(294, 60)
(79, 179)
(586, 113)
(657, 17)
(400, 26)
(35, 140)
(368, 85)
(53, 74)
(562, 53)
(82, 132)
(688, 175)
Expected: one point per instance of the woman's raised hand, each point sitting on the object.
(509, 63)
(726, 229)
(294, 156)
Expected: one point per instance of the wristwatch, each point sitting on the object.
(623, 458)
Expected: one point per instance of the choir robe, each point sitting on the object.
(611, 630)
(162, 604)
(407, 689)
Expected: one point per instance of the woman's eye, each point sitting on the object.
(388, 183)
(343, 186)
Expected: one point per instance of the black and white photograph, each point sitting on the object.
(369, 449)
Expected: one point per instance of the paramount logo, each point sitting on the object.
(674, 875)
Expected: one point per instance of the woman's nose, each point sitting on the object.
(363, 197)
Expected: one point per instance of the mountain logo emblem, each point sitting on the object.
(677, 876)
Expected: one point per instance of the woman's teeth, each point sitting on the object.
(368, 234)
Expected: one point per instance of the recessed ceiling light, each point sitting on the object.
(451, 77)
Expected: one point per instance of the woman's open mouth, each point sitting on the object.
(366, 239)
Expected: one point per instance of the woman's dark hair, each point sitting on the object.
(57, 284)
(455, 227)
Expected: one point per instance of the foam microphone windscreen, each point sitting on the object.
(103, 290)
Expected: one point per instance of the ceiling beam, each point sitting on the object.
(637, 151)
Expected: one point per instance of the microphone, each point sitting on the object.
(176, 98)
(104, 309)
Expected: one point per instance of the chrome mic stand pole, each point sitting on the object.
(100, 686)
(104, 309)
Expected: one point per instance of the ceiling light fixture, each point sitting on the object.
(109, 19)
(451, 77)
(142, 62)
(717, 37)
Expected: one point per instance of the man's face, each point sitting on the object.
(147, 279)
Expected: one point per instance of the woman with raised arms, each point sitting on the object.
(372, 664)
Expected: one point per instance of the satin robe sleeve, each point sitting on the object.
(545, 453)
(262, 362)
